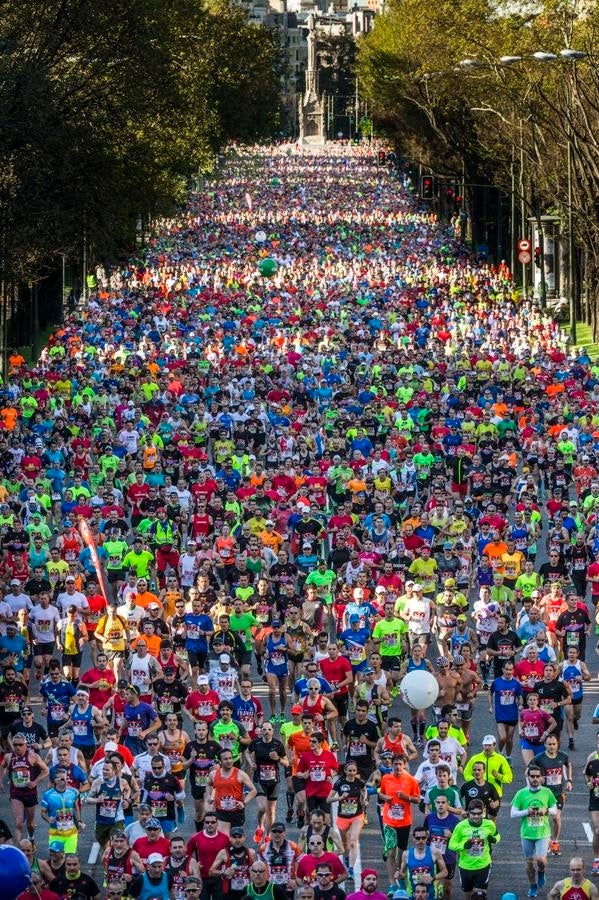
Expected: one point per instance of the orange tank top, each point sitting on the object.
(174, 750)
(395, 746)
(227, 791)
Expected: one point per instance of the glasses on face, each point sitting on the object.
(323, 875)
(258, 871)
(276, 831)
(315, 844)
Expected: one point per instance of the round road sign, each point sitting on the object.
(524, 257)
(523, 244)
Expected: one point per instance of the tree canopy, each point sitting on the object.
(105, 107)
(478, 117)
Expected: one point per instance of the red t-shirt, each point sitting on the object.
(203, 706)
(206, 848)
(322, 767)
(336, 671)
(98, 696)
(593, 571)
(308, 863)
(97, 605)
(144, 847)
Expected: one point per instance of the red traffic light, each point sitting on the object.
(427, 187)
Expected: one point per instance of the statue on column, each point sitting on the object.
(312, 106)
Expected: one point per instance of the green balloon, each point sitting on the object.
(268, 267)
(275, 182)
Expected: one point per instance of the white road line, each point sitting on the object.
(588, 831)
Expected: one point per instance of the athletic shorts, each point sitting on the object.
(340, 702)
(526, 745)
(268, 789)
(343, 824)
(235, 818)
(321, 803)
(245, 659)
(471, 879)
(197, 659)
(390, 663)
(298, 784)
(69, 843)
(71, 659)
(466, 711)
(536, 848)
(396, 838)
(114, 575)
(47, 648)
(28, 800)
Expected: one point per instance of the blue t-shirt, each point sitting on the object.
(505, 697)
(58, 697)
(194, 625)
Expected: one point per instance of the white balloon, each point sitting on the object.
(260, 237)
(419, 689)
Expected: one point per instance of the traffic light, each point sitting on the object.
(381, 157)
(538, 257)
(427, 187)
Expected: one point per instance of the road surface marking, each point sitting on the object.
(588, 831)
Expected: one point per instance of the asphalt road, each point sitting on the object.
(508, 867)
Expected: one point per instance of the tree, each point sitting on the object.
(482, 119)
(107, 107)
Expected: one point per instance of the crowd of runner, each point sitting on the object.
(373, 459)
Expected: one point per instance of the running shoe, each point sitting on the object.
(595, 867)
(334, 746)
(350, 873)
(570, 743)
(486, 688)
(532, 891)
(508, 760)
(555, 850)
(258, 835)
(289, 816)
(273, 719)
(394, 691)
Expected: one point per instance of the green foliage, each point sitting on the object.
(105, 105)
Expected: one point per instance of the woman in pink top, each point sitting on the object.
(534, 725)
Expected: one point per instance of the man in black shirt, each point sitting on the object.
(360, 737)
(479, 789)
(502, 646)
(325, 888)
(12, 695)
(75, 883)
(35, 734)
(554, 695)
(555, 569)
(572, 626)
